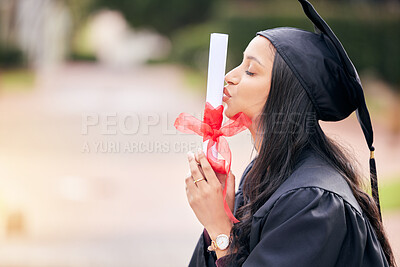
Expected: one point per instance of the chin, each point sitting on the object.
(228, 113)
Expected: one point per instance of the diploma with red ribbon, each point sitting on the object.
(211, 127)
(212, 131)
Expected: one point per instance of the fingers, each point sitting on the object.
(196, 173)
(190, 186)
(196, 157)
(207, 169)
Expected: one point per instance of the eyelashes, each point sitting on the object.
(249, 73)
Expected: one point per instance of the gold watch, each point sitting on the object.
(221, 242)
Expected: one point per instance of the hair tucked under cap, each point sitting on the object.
(325, 71)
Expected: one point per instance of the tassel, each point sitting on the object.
(374, 181)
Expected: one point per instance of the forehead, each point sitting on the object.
(261, 48)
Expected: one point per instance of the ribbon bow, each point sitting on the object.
(210, 128)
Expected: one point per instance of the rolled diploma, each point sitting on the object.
(216, 74)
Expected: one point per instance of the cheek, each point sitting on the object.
(253, 97)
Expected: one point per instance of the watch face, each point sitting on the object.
(222, 241)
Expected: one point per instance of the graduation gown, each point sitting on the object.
(312, 219)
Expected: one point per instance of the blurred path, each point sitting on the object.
(114, 208)
(391, 222)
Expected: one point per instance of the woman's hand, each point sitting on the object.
(205, 196)
(230, 192)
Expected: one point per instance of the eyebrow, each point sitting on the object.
(253, 58)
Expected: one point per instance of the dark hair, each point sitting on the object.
(287, 126)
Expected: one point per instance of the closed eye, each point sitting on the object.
(249, 73)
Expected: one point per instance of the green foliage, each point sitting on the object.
(163, 16)
(17, 79)
(389, 195)
(190, 45)
(80, 10)
(372, 45)
(10, 56)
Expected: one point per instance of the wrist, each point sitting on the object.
(220, 245)
(221, 229)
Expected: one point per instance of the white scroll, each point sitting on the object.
(216, 74)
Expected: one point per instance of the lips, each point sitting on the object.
(226, 96)
(226, 92)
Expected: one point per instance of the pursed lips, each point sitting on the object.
(226, 92)
(226, 96)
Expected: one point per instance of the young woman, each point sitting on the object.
(300, 202)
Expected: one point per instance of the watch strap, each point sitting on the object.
(213, 246)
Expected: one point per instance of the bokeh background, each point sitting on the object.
(91, 168)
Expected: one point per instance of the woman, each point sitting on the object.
(300, 202)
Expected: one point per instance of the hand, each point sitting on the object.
(230, 192)
(205, 197)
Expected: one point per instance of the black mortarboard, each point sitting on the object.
(325, 71)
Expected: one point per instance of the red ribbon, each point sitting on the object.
(210, 128)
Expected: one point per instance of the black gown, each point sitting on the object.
(312, 219)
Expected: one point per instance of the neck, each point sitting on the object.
(255, 136)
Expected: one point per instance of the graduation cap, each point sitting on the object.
(325, 71)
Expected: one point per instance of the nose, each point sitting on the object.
(231, 77)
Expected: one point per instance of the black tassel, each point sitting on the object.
(374, 181)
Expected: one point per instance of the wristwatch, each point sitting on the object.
(221, 242)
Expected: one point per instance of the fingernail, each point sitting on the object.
(190, 154)
(199, 150)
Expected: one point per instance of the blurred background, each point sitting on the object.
(91, 168)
